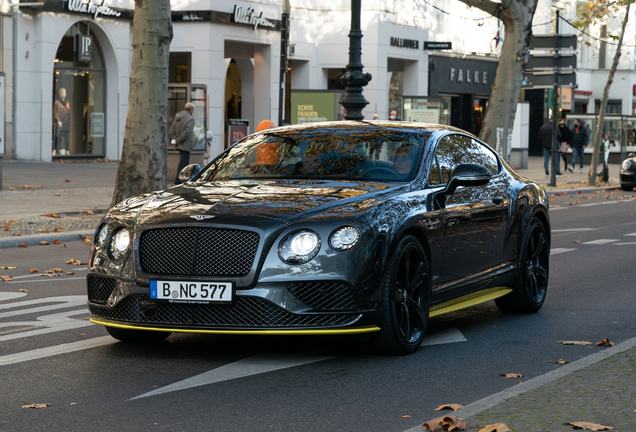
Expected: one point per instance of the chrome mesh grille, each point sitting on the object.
(244, 312)
(198, 251)
(324, 295)
(100, 288)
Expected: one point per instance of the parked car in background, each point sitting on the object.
(628, 173)
(327, 228)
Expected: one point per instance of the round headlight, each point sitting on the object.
(299, 247)
(344, 238)
(627, 164)
(102, 235)
(119, 243)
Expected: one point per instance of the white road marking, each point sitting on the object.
(55, 350)
(47, 324)
(62, 303)
(42, 274)
(48, 279)
(443, 337)
(11, 295)
(254, 365)
(630, 234)
(601, 241)
(574, 229)
(627, 243)
(560, 250)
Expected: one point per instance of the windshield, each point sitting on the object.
(345, 154)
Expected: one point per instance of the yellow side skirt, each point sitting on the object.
(353, 330)
(469, 300)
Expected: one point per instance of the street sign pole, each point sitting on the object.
(555, 107)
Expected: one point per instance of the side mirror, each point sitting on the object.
(463, 175)
(188, 172)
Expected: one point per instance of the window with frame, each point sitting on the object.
(454, 150)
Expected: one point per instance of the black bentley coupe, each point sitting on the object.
(328, 228)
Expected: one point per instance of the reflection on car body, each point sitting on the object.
(331, 228)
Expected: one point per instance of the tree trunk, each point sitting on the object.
(502, 106)
(598, 133)
(142, 167)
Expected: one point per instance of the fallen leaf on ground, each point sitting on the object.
(54, 270)
(70, 273)
(34, 270)
(23, 245)
(22, 290)
(73, 261)
(67, 181)
(8, 268)
(573, 203)
(575, 342)
(511, 375)
(576, 241)
(6, 278)
(30, 187)
(580, 192)
(454, 407)
(63, 246)
(44, 243)
(44, 230)
(37, 405)
(588, 426)
(87, 212)
(607, 197)
(559, 361)
(50, 274)
(52, 215)
(452, 422)
(63, 190)
(406, 416)
(56, 241)
(6, 227)
(10, 188)
(16, 234)
(604, 342)
(561, 194)
(495, 427)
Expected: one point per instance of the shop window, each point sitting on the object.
(613, 106)
(580, 107)
(79, 76)
(179, 67)
(396, 89)
(333, 83)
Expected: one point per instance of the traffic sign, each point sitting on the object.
(546, 80)
(549, 41)
(549, 61)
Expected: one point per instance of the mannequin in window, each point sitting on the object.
(62, 120)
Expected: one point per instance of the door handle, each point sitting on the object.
(497, 200)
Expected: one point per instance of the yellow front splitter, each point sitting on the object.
(352, 330)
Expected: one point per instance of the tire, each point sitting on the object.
(137, 336)
(530, 289)
(405, 300)
(627, 188)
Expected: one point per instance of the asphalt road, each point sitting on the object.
(50, 353)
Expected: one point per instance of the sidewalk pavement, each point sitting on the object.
(599, 388)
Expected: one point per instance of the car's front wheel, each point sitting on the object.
(531, 287)
(139, 336)
(405, 300)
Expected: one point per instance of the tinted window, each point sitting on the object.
(337, 153)
(433, 177)
(489, 160)
(454, 150)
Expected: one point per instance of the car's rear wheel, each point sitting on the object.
(138, 336)
(627, 188)
(531, 287)
(405, 300)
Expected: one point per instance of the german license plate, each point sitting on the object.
(191, 292)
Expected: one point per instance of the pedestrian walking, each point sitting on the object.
(182, 131)
(546, 137)
(580, 138)
(566, 140)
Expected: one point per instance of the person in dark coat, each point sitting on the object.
(580, 138)
(566, 140)
(546, 134)
(182, 131)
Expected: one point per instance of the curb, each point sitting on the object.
(576, 191)
(537, 382)
(35, 239)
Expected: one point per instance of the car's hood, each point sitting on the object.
(235, 201)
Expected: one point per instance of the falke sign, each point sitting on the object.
(91, 7)
(247, 16)
(460, 75)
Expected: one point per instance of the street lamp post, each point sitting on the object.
(353, 79)
(284, 40)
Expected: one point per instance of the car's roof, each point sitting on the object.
(371, 125)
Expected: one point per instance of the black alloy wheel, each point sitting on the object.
(137, 336)
(405, 300)
(529, 292)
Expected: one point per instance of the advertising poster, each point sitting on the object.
(311, 107)
(237, 130)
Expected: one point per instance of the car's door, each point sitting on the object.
(473, 222)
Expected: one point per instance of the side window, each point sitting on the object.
(489, 160)
(433, 177)
(454, 150)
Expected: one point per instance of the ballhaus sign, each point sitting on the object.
(405, 43)
(247, 16)
(91, 7)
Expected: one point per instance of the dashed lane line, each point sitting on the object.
(55, 350)
(556, 251)
(623, 244)
(573, 229)
(600, 241)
